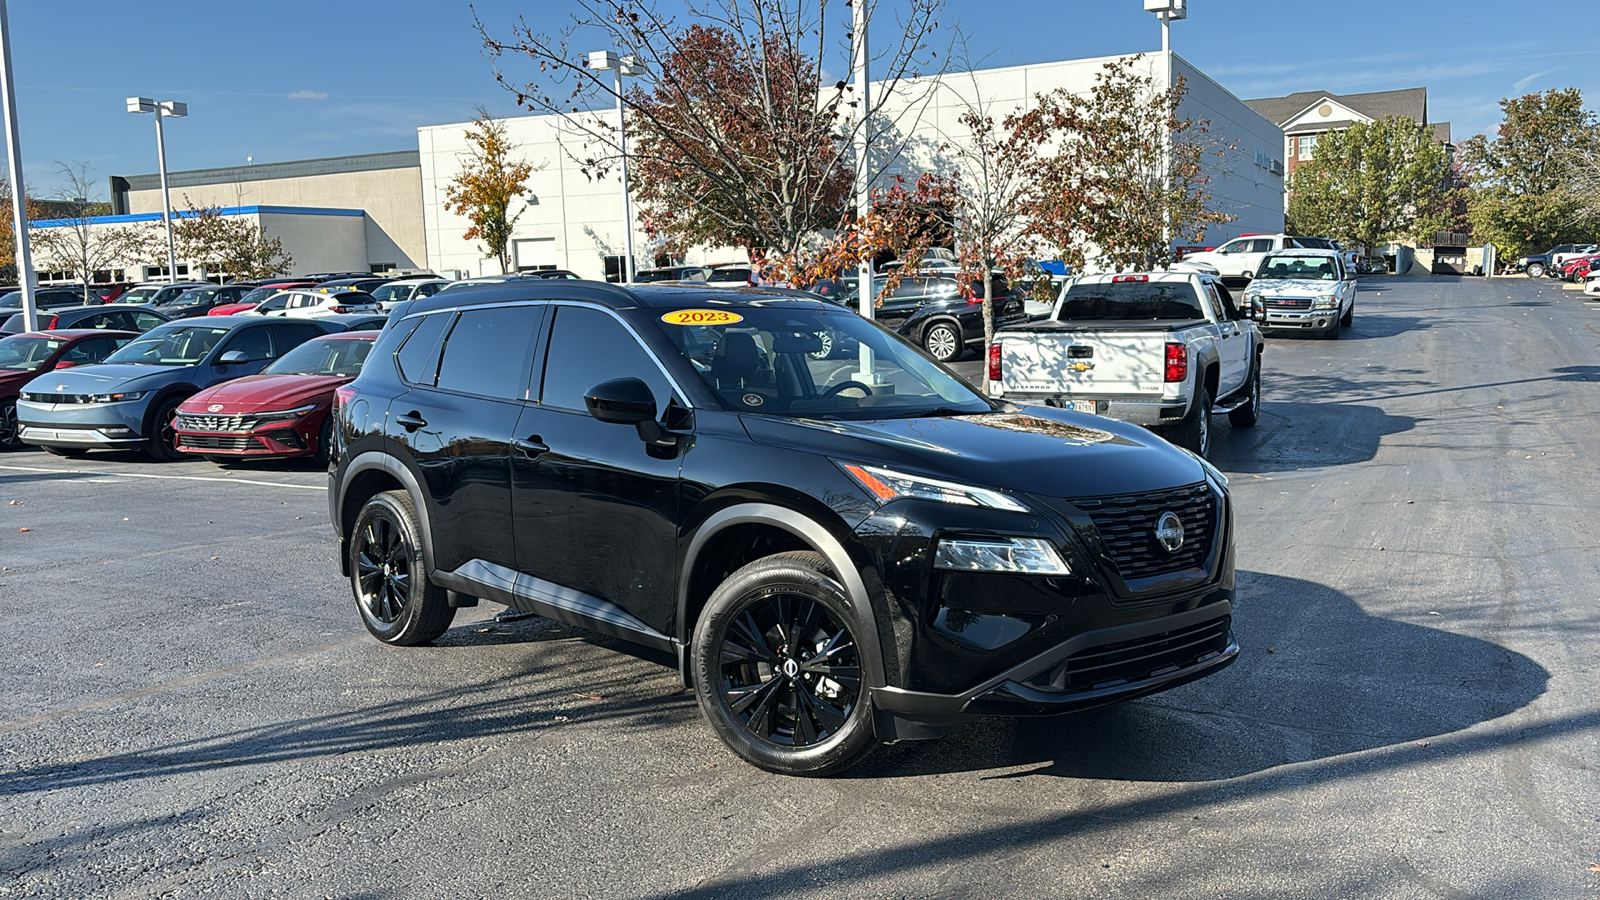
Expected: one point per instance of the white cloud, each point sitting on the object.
(1522, 83)
(309, 95)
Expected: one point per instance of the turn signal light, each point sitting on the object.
(994, 361)
(1177, 362)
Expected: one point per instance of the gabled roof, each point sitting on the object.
(1410, 102)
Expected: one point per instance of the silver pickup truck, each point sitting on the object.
(1162, 350)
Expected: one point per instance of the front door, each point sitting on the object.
(1233, 344)
(596, 509)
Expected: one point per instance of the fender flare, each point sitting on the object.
(818, 538)
(371, 460)
(1205, 359)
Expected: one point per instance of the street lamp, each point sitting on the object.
(170, 109)
(606, 61)
(1168, 11)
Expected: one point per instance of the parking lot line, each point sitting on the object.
(302, 487)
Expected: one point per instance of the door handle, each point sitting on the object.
(411, 421)
(531, 447)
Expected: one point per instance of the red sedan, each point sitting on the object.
(281, 413)
(26, 356)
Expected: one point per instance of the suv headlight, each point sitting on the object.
(1027, 556)
(887, 484)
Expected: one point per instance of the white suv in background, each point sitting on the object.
(311, 303)
(1242, 256)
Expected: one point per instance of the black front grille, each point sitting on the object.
(1136, 660)
(218, 442)
(193, 422)
(1127, 526)
(1288, 302)
(55, 398)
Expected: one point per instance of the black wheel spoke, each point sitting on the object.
(742, 697)
(830, 717)
(790, 673)
(805, 724)
(745, 629)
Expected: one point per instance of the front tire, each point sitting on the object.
(1193, 431)
(1535, 270)
(1349, 316)
(942, 340)
(10, 432)
(162, 445)
(778, 667)
(389, 574)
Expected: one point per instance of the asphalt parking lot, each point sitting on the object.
(192, 708)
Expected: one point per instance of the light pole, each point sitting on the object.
(606, 61)
(169, 109)
(861, 66)
(1168, 11)
(19, 193)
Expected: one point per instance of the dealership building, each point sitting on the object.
(385, 211)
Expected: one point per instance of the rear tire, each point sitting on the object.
(389, 574)
(1536, 270)
(1247, 415)
(1193, 431)
(778, 667)
(943, 342)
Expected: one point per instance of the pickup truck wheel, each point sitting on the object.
(778, 667)
(1535, 270)
(1193, 431)
(942, 340)
(1349, 315)
(389, 574)
(1245, 416)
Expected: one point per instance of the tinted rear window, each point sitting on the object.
(1132, 301)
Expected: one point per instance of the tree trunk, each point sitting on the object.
(988, 307)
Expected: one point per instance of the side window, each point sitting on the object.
(1234, 246)
(89, 351)
(254, 343)
(487, 352)
(587, 347)
(143, 321)
(288, 337)
(1261, 245)
(275, 302)
(1226, 298)
(425, 290)
(418, 357)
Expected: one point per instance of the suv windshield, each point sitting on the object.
(336, 356)
(764, 361)
(182, 345)
(26, 354)
(192, 298)
(139, 295)
(1132, 300)
(1299, 268)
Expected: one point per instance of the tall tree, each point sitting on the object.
(231, 246)
(1127, 179)
(489, 182)
(732, 134)
(1375, 183)
(1521, 196)
(8, 234)
(80, 246)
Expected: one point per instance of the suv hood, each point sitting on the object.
(257, 393)
(102, 379)
(1036, 450)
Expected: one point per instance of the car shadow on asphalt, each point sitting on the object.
(1317, 678)
(1293, 435)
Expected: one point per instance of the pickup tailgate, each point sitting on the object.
(1085, 359)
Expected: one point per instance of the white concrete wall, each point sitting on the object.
(577, 222)
(392, 199)
(320, 243)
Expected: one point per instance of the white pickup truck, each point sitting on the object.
(1162, 350)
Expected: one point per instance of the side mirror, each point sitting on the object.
(626, 401)
(232, 358)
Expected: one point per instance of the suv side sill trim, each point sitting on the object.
(480, 578)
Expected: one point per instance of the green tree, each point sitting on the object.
(1522, 198)
(1374, 183)
(489, 181)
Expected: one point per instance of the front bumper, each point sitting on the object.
(1301, 320)
(244, 436)
(1095, 668)
(81, 424)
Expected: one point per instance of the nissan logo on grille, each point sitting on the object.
(1169, 531)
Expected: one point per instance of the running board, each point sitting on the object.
(479, 578)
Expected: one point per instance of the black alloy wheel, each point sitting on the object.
(779, 670)
(162, 445)
(10, 432)
(388, 574)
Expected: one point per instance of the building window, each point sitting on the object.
(152, 273)
(378, 268)
(1308, 146)
(616, 269)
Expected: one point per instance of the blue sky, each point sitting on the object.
(293, 79)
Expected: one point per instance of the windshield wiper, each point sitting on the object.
(937, 411)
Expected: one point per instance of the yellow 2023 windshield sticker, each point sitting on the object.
(701, 317)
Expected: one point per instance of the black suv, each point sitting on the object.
(930, 310)
(836, 557)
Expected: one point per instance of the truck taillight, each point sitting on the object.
(994, 361)
(1177, 363)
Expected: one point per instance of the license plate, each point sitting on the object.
(1083, 406)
